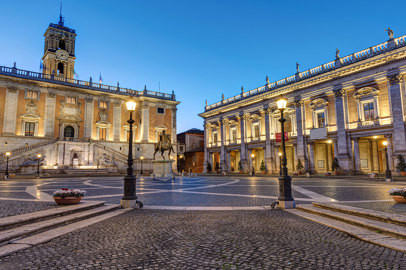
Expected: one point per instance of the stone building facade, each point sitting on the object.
(73, 123)
(343, 109)
(191, 151)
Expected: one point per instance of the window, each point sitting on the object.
(71, 100)
(29, 128)
(369, 111)
(60, 68)
(103, 104)
(161, 110)
(233, 134)
(32, 94)
(62, 45)
(320, 120)
(102, 133)
(256, 130)
(215, 139)
(69, 132)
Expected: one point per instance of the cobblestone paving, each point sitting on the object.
(154, 239)
(12, 208)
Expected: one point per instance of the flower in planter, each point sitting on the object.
(398, 192)
(66, 192)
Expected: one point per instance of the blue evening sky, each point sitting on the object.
(200, 49)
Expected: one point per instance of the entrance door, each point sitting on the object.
(69, 132)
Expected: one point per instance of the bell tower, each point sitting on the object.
(59, 50)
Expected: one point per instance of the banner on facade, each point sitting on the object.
(278, 137)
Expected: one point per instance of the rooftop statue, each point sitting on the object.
(337, 53)
(164, 144)
(390, 33)
(297, 67)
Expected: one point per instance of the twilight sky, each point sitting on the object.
(198, 48)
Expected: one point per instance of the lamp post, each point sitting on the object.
(141, 164)
(280, 163)
(39, 161)
(253, 170)
(129, 199)
(388, 172)
(285, 190)
(6, 174)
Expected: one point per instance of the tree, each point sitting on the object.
(299, 166)
(335, 166)
(401, 166)
(208, 167)
(262, 167)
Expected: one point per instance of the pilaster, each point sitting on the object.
(89, 109)
(145, 122)
(342, 149)
(10, 111)
(49, 118)
(117, 120)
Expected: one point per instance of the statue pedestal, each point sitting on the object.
(162, 169)
(75, 163)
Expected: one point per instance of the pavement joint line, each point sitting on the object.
(313, 195)
(41, 196)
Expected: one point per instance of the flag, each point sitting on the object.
(100, 79)
(41, 67)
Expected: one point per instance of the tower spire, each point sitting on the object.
(60, 15)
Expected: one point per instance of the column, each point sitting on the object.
(375, 155)
(250, 161)
(145, 122)
(399, 137)
(390, 151)
(300, 146)
(295, 157)
(228, 161)
(335, 149)
(206, 153)
(222, 125)
(117, 121)
(10, 111)
(311, 157)
(49, 117)
(356, 156)
(268, 155)
(342, 149)
(243, 153)
(89, 109)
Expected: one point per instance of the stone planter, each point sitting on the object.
(67, 200)
(399, 199)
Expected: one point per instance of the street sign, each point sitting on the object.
(278, 137)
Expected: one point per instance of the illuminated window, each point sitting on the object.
(103, 104)
(256, 130)
(369, 111)
(102, 133)
(71, 100)
(233, 134)
(29, 129)
(215, 139)
(32, 94)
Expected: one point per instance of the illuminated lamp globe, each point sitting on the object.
(282, 103)
(131, 105)
(39, 155)
(8, 154)
(280, 154)
(385, 143)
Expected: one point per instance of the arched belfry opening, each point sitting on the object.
(62, 44)
(60, 68)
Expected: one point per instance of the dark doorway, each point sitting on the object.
(69, 132)
(60, 68)
(62, 45)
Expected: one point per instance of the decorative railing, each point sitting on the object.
(342, 61)
(15, 72)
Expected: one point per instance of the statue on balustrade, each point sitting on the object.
(390, 33)
(164, 144)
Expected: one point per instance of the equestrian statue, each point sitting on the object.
(164, 144)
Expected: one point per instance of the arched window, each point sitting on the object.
(60, 68)
(69, 132)
(62, 45)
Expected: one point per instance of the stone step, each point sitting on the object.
(48, 235)
(12, 221)
(29, 229)
(378, 215)
(368, 223)
(356, 231)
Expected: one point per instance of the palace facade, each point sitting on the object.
(75, 124)
(343, 109)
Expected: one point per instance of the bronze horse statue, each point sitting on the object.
(164, 144)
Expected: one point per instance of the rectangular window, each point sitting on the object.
(29, 128)
(103, 104)
(320, 120)
(32, 94)
(102, 134)
(369, 111)
(161, 110)
(234, 134)
(215, 137)
(71, 100)
(256, 130)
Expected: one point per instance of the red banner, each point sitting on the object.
(278, 137)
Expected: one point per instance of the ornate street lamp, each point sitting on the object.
(141, 164)
(253, 170)
(6, 174)
(129, 199)
(285, 190)
(388, 172)
(39, 161)
(280, 163)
